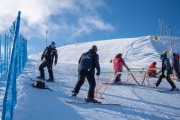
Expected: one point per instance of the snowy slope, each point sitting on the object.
(138, 102)
(143, 50)
(133, 49)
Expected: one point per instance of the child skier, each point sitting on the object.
(152, 72)
(118, 64)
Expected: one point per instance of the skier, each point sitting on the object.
(118, 64)
(166, 71)
(152, 72)
(86, 69)
(49, 53)
(175, 65)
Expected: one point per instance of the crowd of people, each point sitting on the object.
(89, 61)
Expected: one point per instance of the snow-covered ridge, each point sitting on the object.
(143, 50)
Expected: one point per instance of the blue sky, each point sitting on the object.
(68, 21)
(141, 17)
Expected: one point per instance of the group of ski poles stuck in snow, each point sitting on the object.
(89, 63)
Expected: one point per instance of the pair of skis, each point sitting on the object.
(90, 103)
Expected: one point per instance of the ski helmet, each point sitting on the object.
(94, 47)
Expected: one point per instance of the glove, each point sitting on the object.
(98, 73)
(165, 73)
(55, 63)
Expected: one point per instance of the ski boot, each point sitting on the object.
(174, 89)
(74, 94)
(50, 80)
(92, 100)
(117, 80)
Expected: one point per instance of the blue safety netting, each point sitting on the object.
(13, 58)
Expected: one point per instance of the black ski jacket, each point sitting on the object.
(163, 58)
(167, 66)
(49, 54)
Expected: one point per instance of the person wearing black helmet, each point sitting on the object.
(166, 71)
(86, 69)
(47, 59)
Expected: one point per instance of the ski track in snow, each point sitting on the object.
(138, 102)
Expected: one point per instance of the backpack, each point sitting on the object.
(86, 61)
(40, 85)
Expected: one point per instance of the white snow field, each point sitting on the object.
(138, 102)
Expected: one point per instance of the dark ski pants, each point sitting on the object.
(118, 78)
(49, 67)
(176, 69)
(81, 79)
(167, 78)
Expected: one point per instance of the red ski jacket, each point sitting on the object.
(152, 65)
(118, 64)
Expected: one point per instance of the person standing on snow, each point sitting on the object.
(152, 71)
(175, 65)
(166, 71)
(118, 64)
(49, 54)
(86, 69)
